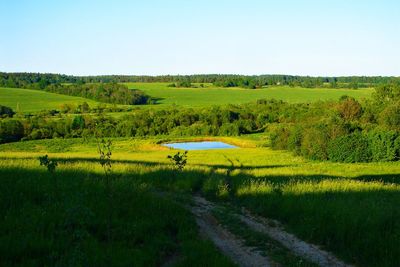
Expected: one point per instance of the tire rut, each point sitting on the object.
(246, 256)
(224, 240)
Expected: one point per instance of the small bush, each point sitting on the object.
(179, 160)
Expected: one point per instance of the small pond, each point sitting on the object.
(204, 145)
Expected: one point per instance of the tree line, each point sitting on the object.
(41, 81)
(113, 93)
(230, 120)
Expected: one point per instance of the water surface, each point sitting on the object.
(204, 145)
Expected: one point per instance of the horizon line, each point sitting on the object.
(197, 74)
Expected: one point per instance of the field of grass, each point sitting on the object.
(34, 100)
(350, 209)
(210, 95)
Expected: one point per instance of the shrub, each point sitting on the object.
(349, 109)
(229, 129)
(178, 160)
(385, 146)
(279, 138)
(349, 148)
(390, 116)
(294, 140)
(11, 131)
(314, 142)
(78, 123)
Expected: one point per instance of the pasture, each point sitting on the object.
(28, 100)
(349, 209)
(211, 95)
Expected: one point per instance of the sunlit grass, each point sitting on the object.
(212, 95)
(34, 100)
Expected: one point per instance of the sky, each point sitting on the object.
(154, 37)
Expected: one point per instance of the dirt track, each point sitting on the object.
(243, 255)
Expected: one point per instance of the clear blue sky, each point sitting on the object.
(81, 37)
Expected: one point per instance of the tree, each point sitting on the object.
(179, 160)
(78, 123)
(349, 108)
(11, 131)
(390, 116)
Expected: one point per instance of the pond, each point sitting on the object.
(204, 145)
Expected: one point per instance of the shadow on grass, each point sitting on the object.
(359, 223)
(45, 223)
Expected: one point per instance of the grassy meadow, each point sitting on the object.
(350, 209)
(211, 95)
(34, 100)
(28, 100)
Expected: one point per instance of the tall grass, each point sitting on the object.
(350, 209)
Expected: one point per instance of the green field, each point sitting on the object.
(34, 100)
(211, 95)
(350, 209)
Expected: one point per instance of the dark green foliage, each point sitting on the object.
(228, 121)
(41, 81)
(279, 138)
(104, 92)
(314, 141)
(390, 116)
(11, 130)
(384, 145)
(48, 163)
(350, 148)
(229, 129)
(295, 139)
(78, 123)
(179, 160)
(336, 136)
(104, 150)
(6, 111)
(185, 84)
